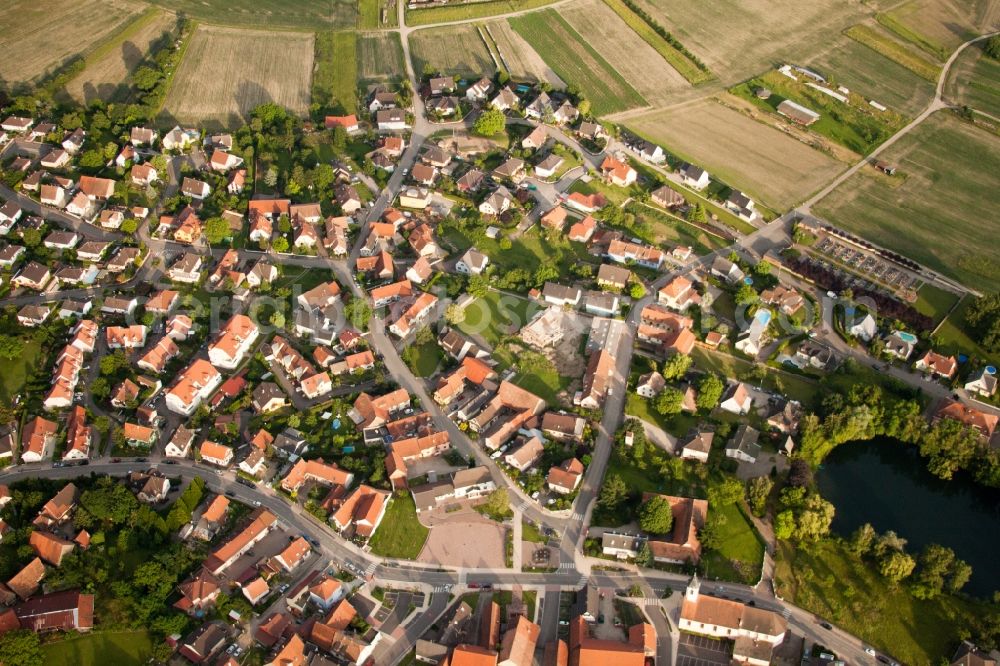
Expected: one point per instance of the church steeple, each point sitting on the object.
(691, 594)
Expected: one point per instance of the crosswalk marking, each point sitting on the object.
(577, 515)
(584, 578)
(461, 578)
(440, 588)
(522, 506)
(566, 565)
(371, 569)
(650, 602)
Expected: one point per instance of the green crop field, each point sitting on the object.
(974, 80)
(938, 208)
(380, 57)
(855, 125)
(335, 79)
(457, 49)
(879, 40)
(577, 62)
(464, 11)
(301, 14)
(854, 65)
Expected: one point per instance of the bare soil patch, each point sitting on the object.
(466, 539)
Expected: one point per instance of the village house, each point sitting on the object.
(737, 399)
(933, 363)
(694, 177)
(195, 384)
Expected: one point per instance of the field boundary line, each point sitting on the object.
(172, 74)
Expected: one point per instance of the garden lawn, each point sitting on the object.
(934, 302)
(828, 580)
(791, 385)
(535, 372)
(400, 534)
(954, 338)
(530, 532)
(658, 226)
(423, 359)
(14, 372)
(496, 315)
(677, 425)
(101, 648)
(740, 553)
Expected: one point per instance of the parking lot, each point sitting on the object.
(703, 651)
(881, 270)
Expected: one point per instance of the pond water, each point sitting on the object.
(886, 483)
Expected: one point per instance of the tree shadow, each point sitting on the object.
(249, 95)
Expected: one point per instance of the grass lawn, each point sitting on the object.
(677, 425)
(497, 315)
(576, 61)
(400, 534)
(934, 302)
(740, 553)
(535, 372)
(659, 227)
(530, 532)
(100, 648)
(828, 580)
(948, 172)
(14, 372)
(791, 385)
(955, 338)
(423, 359)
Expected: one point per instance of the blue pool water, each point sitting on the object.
(907, 337)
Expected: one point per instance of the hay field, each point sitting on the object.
(766, 163)
(627, 52)
(522, 60)
(974, 80)
(303, 14)
(940, 208)
(380, 57)
(940, 26)
(334, 82)
(41, 35)
(577, 61)
(865, 71)
(739, 38)
(452, 50)
(109, 68)
(226, 72)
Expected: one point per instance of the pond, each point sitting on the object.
(886, 483)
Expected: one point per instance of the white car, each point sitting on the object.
(870, 651)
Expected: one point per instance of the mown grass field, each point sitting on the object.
(380, 57)
(399, 534)
(577, 62)
(100, 648)
(937, 27)
(829, 581)
(335, 78)
(855, 125)
(737, 39)
(935, 302)
(940, 206)
(765, 162)
(38, 37)
(974, 80)
(461, 11)
(955, 338)
(881, 41)
(740, 553)
(452, 50)
(865, 71)
(14, 371)
(497, 315)
(523, 62)
(109, 65)
(642, 66)
(684, 65)
(226, 72)
(301, 14)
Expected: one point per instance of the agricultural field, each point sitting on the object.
(881, 41)
(66, 29)
(370, 14)
(938, 208)
(852, 64)
(640, 64)
(939, 27)
(301, 14)
(335, 79)
(522, 61)
(855, 125)
(577, 62)
(464, 11)
(656, 226)
(380, 57)
(739, 38)
(226, 72)
(768, 164)
(110, 65)
(103, 647)
(974, 80)
(452, 50)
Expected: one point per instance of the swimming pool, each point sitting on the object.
(907, 337)
(763, 316)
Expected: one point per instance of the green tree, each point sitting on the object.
(490, 123)
(676, 366)
(278, 319)
(497, 503)
(20, 648)
(478, 286)
(145, 78)
(862, 540)
(10, 346)
(359, 312)
(216, 230)
(32, 238)
(758, 490)
(896, 566)
(992, 47)
(784, 525)
(725, 493)
(763, 267)
(545, 273)
(644, 557)
(637, 291)
(696, 213)
(454, 314)
(280, 244)
(669, 401)
(656, 516)
(613, 492)
(710, 389)
(746, 295)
